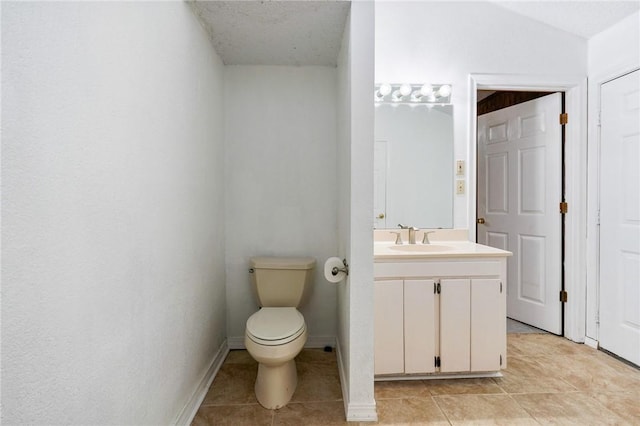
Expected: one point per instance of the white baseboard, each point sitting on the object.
(191, 408)
(344, 384)
(439, 376)
(592, 343)
(353, 412)
(362, 413)
(237, 342)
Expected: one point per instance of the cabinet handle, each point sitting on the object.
(381, 216)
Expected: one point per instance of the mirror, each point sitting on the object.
(413, 165)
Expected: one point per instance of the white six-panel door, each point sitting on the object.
(519, 192)
(620, 217)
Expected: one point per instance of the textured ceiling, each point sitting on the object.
(309, 32)
(582, 18)
(275, 32)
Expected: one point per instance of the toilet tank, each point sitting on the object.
(281, 281)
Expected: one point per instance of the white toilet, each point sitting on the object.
(277, 332)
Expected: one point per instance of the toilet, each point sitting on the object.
(276, 334)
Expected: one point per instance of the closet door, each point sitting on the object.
(620, 217)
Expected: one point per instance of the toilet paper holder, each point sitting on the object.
(335, 270)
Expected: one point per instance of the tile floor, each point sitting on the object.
(514, 326)
(549, 380)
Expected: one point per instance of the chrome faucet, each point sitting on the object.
(398, 238)
(425, 238)
(412, 232)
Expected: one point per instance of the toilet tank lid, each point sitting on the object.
(282, 262)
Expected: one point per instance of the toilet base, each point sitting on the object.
(275, 384)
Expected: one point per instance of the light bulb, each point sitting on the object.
(405, 89)
(396, 96)
(444, 90)
(426, 89)
(384, 89)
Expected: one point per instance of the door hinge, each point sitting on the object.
(500, 286)
(436, 361)
(564, 207)
(500, 360)
(563, 296)
(599, 118)
(564, 118)
(436, 287)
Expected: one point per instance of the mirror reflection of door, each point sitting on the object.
(380, 185)
(519, 192)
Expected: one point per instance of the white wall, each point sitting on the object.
(611, 53)
(355, 186)
(113, 296)
(444, 42)
(280, 127)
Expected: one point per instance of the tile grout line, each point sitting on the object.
(525, 410)
(441, 410)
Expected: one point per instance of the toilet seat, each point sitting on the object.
(275, 326)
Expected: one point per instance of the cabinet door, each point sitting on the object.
(388, 327)
(419, 326)
(455, 327)
(488, 324)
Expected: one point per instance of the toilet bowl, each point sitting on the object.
(274, 337)
(277, 332)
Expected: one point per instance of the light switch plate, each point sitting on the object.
(460, 168)
(460, 187)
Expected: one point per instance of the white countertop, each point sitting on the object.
(445, 243)
(384, 250)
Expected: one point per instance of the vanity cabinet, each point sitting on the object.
(404, 326)
(440, 317)
(472, 321)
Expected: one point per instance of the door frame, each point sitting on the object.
(575, 89)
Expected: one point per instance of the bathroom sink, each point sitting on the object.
(421, 248)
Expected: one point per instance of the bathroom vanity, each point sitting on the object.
(440, 308)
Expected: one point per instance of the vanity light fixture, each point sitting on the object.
(413, 93)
